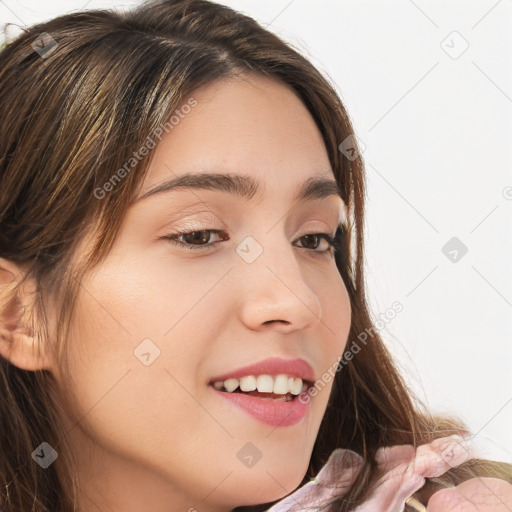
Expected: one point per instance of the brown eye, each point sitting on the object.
(194, 239)
(312, 242)
(197, 237)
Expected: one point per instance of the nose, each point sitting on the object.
(275, 293)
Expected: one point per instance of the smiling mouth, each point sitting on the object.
(284, 404)
(277, 397)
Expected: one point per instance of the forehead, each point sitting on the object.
(250, 126)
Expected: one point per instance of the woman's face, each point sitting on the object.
(156, 322)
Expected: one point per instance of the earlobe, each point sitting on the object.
(19, 344)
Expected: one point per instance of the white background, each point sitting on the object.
(437, 128)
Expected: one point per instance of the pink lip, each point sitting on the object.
(271, 412)
(272, 366)
(274, 413)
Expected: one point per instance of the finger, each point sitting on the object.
(474, 495)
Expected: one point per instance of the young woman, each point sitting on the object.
(181, 284)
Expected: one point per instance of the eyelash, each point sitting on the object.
(334, 242)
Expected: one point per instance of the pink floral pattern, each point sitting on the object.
(401, 471)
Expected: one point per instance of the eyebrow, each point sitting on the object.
(245, 187)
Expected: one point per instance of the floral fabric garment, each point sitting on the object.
(401, 471)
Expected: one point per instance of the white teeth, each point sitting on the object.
(248, 383)
(265, 383)
(231, 384)
(281, 384)
(297, 387)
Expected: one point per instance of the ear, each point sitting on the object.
(19, 344)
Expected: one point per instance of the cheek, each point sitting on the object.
(113, 316)
(156, 298)
(134, 404)
(335, 326)
(336, 317)
(139, 331)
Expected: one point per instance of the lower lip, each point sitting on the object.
(277, 413)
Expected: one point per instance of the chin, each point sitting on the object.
(268, 485)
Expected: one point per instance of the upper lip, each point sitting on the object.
(272, 366)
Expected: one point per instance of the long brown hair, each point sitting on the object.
(71, 114)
